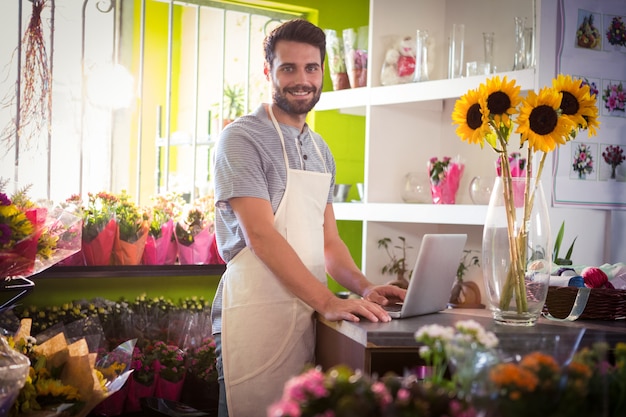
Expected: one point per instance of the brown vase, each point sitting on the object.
(465, 294)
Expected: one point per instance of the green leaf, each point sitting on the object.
(557, 242)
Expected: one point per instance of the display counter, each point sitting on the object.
(391, 347)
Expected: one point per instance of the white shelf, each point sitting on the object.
(355, 100)
(458, 214)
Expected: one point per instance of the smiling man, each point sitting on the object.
(276, 230)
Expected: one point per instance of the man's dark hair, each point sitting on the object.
(297, 30)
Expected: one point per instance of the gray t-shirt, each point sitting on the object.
(249, 162)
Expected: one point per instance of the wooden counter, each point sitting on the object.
(381, 347)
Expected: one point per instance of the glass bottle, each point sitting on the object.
(421, 56)
(455, 57)
(488, 48)
(520, 50)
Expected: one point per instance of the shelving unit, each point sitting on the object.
(407, 124)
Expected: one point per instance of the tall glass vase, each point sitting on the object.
(516, 251)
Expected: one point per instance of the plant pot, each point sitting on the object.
(465, 294)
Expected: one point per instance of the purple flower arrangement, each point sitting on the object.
(616, 33)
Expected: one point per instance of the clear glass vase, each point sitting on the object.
(516, 252)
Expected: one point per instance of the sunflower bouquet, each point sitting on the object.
(544, 120)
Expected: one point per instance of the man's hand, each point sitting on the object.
(384, 294)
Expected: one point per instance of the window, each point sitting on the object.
(185, 68)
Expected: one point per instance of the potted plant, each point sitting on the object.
(233, 102)
(396, 265)
(465, 294)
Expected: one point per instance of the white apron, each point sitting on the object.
(268, 334)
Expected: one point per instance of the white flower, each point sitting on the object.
(435, 331)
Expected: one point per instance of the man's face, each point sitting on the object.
(296, 77)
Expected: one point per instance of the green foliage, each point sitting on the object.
(557, 247)
(397, 264)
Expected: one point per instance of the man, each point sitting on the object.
(276, 230)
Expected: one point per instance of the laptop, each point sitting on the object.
(433, 276)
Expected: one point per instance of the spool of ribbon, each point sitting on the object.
(596, 278)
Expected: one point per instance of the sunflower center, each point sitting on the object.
(474, 116)
(498, 102)
(543, 120)
(569, 103)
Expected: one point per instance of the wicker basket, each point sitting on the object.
(603, 303)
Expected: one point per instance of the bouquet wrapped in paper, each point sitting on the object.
(67, 376)
(336, 60)
(132, 232)
(355, 46)
(32, 239)
(161, 248)
(195, 235)
(99, 228)
(445, 176)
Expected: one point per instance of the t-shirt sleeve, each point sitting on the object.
(239, 167)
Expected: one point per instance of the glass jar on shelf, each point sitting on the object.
(416, 188)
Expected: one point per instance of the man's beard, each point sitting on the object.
(295, 106)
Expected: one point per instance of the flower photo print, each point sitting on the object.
(588, 34)
(613, 98)
(583, 160)
(614, 33)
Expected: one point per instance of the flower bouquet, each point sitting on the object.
(99, 227)
(614, 156)
(21, 226)
(355, 50)
(614, 97)
(132, 232)
(517, 165)
(583, 161)
(516, 277)
(445, 176)
(170, 365)
(32, 239)
(66, 376)
(336, 60)
(143, 380)
(195, 236)
(160, 246)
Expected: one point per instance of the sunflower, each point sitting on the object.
(499, 100)
(468, 115)
(540, 122)
(577, 102)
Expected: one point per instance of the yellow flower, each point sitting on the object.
(577, 103)
(468, 115)
(499, 100)
(55, 388)
(539, 121)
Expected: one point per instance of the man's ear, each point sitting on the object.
(266, 71)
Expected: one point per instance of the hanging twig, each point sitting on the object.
(35, 83)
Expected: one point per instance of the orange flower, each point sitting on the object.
(513, 377)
